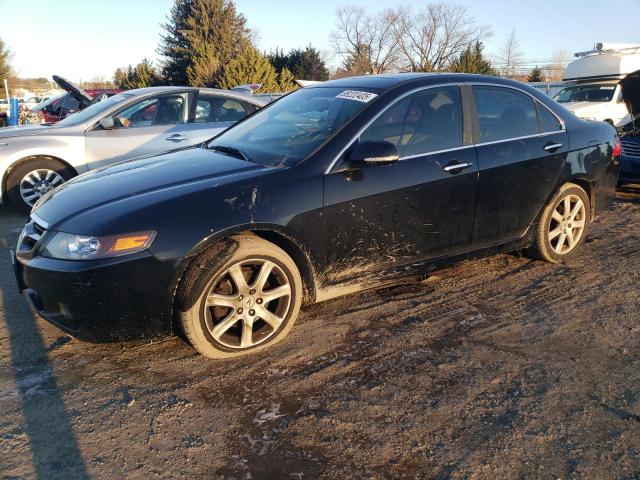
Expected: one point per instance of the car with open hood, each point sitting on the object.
(36, 158)
(338, 187)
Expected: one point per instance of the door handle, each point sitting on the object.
(176, 137)
(456, 167)
(551, 147)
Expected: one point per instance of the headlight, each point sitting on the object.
(67, 246)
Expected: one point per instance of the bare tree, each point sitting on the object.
(560, 57)
(366, 43)
(430, 38)
(510, 55)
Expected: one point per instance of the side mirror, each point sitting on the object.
(106, 123)
(374, 153)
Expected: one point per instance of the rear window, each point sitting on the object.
(504, 113)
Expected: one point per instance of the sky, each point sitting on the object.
(84, 39)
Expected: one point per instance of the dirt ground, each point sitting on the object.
(498, 368)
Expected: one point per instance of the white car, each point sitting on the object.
(596, 101)
(37, 158)
(594, 91)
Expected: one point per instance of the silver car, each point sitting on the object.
(34, 159)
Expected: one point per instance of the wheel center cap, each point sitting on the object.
(249, 302)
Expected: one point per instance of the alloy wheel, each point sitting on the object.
(247, 304)
(38, 182)
(567, 224)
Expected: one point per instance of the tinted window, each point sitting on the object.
(70, 104)
(548, 121)
(219, 109)
(423, 122)
(504, 113)
(165, 110)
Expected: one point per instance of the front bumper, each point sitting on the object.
(629, 169)
(102, 300)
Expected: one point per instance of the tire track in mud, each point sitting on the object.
(496, 368)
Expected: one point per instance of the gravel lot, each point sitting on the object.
(497, 368)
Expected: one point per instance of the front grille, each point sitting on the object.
(29, 238)
(630, 149)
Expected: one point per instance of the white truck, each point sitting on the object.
(594, 90)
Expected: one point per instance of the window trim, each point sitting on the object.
(465, 111)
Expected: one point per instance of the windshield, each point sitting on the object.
(293, 127)
(586, 93)
(95, 109)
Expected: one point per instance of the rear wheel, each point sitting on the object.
(250, 300)
(563, 225)
(29, 181)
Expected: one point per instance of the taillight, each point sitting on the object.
(617, 149)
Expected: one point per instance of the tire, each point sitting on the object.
(217, 324)
(559, 234)
(51, 172)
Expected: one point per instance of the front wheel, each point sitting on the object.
(29, 181)
(247, 302)
(563, 225)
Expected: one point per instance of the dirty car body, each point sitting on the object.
(348, 226)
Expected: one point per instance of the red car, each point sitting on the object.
(75, 99)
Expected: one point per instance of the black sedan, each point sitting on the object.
(342, 186)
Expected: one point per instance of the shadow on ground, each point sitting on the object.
(53, 444)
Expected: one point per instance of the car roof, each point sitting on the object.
(216, 91)
(387, 81)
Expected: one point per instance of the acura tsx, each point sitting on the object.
(338, 187)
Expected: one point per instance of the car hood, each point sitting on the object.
(76, 92)
(185, 170)
(582, 106)
(25, 130)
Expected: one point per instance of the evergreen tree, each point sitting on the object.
(142, 75)
(536, 75)
(5, 68)
(119, 76)
(310, 65)
(358, 62)
(201, 37)
(304, 64)
(286, 81)
(248, 67)
(279, 59)
(472, 60)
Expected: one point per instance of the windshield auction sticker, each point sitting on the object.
(357, 95)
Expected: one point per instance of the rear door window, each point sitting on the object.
(423, 122)
(213, 109)
(504, 113)
(548, 121)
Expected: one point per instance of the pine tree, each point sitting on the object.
(119, 76)
(248, 67)
(311, 66)
(304, 64)
(5, 68)
(358, 62)
(472, 60)
(286, 81)
(536, 75)
(201, 36)
(142, 75)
